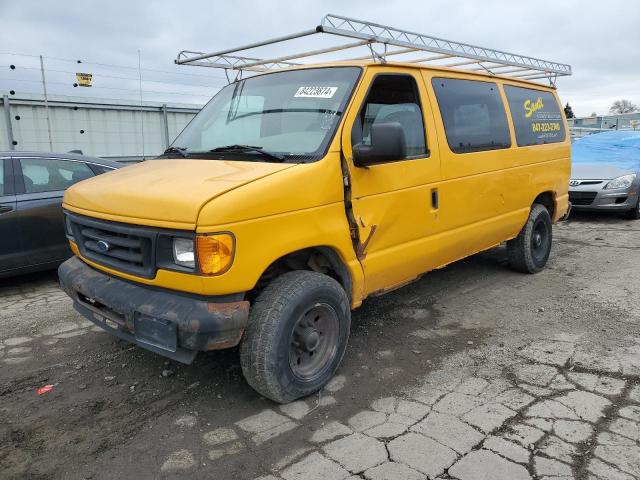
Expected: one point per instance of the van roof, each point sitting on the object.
(381, 44)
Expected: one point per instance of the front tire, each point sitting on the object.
(296, 336)
(634, 213)
(529, 251)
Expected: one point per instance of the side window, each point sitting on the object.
(2, 189)
(48, 175)
(393, 98)
(473, 115)
(536, 116)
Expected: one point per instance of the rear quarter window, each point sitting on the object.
(473, 115)
(536, 116)
(99, 169)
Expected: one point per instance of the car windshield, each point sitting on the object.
(291, 114)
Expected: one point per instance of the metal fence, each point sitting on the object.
(581, 127)
(118, 130)
(129, 110)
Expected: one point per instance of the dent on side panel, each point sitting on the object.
(394, 223)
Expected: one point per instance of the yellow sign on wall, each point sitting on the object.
(83, 79)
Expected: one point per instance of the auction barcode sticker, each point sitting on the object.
(316, 92)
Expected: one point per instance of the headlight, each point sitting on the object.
(624, 181)
(215, 252)
(183, 252)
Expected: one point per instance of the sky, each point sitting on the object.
(599, 39)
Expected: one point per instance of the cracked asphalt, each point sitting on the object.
(473, 372)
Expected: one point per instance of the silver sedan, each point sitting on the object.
(605, 188)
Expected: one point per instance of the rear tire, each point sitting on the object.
(296, 336)
(634, 213)
(529, 251)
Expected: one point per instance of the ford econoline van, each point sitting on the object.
(296, 194)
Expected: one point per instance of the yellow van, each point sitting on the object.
(297, 193)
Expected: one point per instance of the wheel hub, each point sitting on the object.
(313, 341)
(540, 242)
(309, 339)
(537, 239)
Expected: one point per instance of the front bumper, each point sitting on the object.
(173, 324)
(615, 200)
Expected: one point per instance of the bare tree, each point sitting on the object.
(623, 106)
(593, 114)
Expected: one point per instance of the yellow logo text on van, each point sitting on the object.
(530, 107)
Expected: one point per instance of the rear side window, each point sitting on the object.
(49, 175)
(473, 115)
(536, 116)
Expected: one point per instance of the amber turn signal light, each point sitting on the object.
(215, 252)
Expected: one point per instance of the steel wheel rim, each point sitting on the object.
(314, 341)
(540, 241)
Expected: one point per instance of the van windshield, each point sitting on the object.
(285, 116)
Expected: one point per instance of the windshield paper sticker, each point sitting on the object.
(316, 92)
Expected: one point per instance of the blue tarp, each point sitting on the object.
(618, 148)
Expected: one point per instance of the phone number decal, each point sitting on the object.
(545, 127)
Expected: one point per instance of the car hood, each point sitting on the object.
(595, 171)
(164, 190)
(606, 155)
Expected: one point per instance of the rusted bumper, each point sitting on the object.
(170, 323)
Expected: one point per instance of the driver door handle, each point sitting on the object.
(5, 209)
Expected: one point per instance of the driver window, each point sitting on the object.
(393, 98)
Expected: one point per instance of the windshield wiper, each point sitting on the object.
(181, 150)
(248, 148)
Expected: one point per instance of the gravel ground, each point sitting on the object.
(474, 372)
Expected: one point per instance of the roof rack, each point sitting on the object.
(383, 42)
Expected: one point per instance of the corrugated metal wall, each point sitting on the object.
(101, 129)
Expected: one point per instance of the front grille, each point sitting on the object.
(582, 198)
(119, 246)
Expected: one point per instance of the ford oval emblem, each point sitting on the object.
(103, 246)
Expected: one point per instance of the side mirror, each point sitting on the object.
(388, 143)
